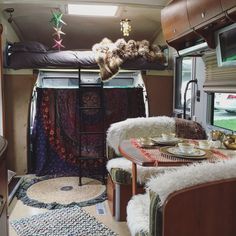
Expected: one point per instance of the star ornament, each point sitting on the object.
(58, 32)
(58, 44)
(57, 19)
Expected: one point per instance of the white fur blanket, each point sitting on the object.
(171, 181)
(138, 127)
(143, 173)
(138, 214)
(188, 176)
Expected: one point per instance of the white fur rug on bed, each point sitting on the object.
(139, 127)
(171, 181)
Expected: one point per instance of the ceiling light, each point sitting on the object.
(125, 26)
(92, 10)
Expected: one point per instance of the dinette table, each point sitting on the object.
(158, 156)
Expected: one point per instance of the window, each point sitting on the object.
(224, 111)
(183, 75)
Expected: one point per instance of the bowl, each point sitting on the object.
(168, 136)
(146, 141)
(186, 147)
(204, 144)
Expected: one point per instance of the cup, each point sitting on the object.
(168, 136)
(204, 144)
(216, 143)
(146, 141)
(186, 147)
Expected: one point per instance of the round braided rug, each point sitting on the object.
(61, 192)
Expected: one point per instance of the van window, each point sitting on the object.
(224, 111)
(183, 75)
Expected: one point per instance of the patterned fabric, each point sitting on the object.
(62, 222)
(57, 142)
(120, 176)
(166, 159)
(155, 215)
(189, 129)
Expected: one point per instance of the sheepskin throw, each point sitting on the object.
(138, 127)
(143, 173)
(187, 176)
(138, 214)
(110, 56)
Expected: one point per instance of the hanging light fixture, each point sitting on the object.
(125, 26)
(10, 12)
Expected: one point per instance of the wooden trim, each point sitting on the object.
(205, 209)
(2, 84)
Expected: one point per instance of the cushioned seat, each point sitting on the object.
(190, 200)
(120, 169)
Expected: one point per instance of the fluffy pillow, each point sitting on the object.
(29, 46)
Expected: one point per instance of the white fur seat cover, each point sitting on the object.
(138, 127)
(138, 214)
(171, 181)
(143, 173)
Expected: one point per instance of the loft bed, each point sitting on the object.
(27, 55)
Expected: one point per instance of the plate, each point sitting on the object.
(160, 140)
(195, 153)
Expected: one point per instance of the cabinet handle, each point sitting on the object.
(174, 30)
(203, 15)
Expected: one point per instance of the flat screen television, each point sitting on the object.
(226, 46)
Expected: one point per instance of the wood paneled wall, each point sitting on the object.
(17, 91)
(160, 94)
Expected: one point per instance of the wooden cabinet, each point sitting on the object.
(174, 19)
(227, 4)
(3, 189)
(201, 10)
(159, 91)
(187, 22)
(175, 25)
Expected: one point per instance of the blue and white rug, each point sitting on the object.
(71, 221)
(58, 192)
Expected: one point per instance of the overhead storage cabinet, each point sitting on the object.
(175, 24)
(175, 19)
(230, 7)
(227, 4)
(201, 11)
(188, 22)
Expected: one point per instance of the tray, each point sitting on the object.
(198, 154)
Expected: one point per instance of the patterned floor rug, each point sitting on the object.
(71, 221)
(56, 193)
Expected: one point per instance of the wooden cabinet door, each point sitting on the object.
(227, 4)
(200, 11)
(160, 94)
(174, 19)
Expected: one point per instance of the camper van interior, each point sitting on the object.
(118, 117)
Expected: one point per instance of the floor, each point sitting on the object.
(18, 210)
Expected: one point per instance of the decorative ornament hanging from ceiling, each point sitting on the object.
(57, 23)
(125, 26)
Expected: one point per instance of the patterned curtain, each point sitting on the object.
(63, 132)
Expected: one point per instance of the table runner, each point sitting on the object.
(154, 154)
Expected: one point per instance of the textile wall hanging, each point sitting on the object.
(56, 128)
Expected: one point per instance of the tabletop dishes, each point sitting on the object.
(196, 154)
(161, 141)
